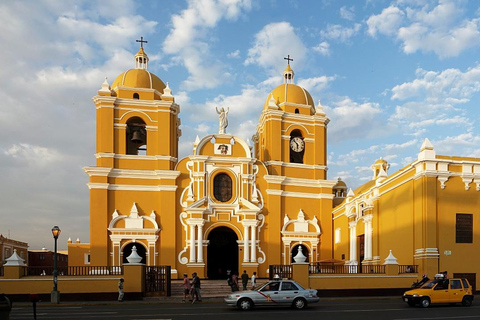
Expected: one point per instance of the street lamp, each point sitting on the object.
(55, 296)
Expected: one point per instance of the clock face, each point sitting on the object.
(297, 144)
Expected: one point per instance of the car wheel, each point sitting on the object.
(299, 303)
(425, 302)
(245, 304)
(467, 301)
(411, 303)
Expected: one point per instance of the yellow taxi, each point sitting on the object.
(439, 290)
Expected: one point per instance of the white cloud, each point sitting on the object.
(34, 155)
(386, 23)
(234, 54)
(317, 84)
(350, 119)
(347, 13)
(323, 48)
(435, 97)
(188, 39)
(441, 29)
(340, 33)
(271, 40)
(467, 142)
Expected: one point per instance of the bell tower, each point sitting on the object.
(137, 137)
(292, 133)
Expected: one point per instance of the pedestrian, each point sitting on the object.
(187, 287)
(196, 295)
(244, 279)
(234, 282)
(254, 280)
(120, 290)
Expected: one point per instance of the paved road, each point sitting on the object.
(335, 309)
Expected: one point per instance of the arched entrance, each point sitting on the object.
(294, 252)
(141, 251)
(222, 253)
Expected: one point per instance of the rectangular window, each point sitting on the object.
(464, 228)
(42, 256)
(87, 258)
(338, 233)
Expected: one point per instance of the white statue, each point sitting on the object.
(222, 120)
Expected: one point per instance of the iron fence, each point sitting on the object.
(74, 271)
(320, 268)
(282, 270)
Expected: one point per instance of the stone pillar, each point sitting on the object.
(246, 251)
(253, 257)
(353, 241)
(134, 276)
(192, 244)
(368, 237)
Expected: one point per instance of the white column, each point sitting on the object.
(368, 237)
(353, 241)
(200, 243)
(192, 243)
(253, 257)
(246, 243)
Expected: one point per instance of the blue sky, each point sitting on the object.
(388, 73)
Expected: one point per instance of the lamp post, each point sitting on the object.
(55, 296)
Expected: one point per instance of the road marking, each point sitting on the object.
(436, 318)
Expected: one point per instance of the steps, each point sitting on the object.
(209, 288)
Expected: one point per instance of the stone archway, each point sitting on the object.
(222, 253)
(141, 251)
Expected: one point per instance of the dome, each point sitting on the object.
(291, 93)
(139, 78)
(340, 184)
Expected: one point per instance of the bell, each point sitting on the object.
(138, 137)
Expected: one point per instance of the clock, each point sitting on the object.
(297, 144)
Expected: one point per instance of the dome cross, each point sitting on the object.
(287, 58)
(141, 42)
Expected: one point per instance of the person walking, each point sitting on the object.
(187, 287)
(254, 280)
(234, 282)
(120, 290)
(196, 295)
(244, 279)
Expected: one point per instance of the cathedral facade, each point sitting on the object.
(226, 206)
(232, 206)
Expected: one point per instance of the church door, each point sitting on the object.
(222, 253)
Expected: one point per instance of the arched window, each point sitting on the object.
(222, 187)
(136, 136)
(297, 111)
(136, 96)
(297, 147)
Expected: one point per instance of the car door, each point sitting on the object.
(440, 292)
(269, 294)
(456, 291)
(288, 291)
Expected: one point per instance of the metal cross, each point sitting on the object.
(141, 42)
(287, 58)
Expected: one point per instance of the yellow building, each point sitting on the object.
(425, 213)
(229, 205)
